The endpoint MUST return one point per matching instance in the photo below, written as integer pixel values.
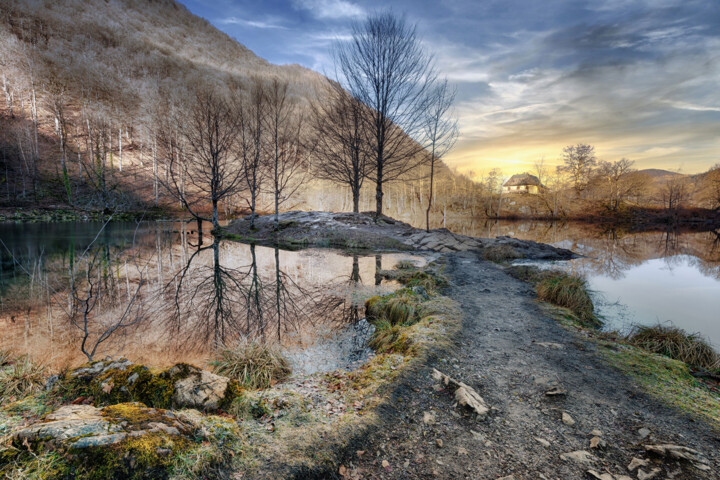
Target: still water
(646, 278)
(157, 294)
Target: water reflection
(163, 294)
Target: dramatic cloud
(636, 78)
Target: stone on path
(465, 395)
(567, 419)
(579, 456)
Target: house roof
(522, 179)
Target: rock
(121, 381)
(67, 422)
(439, 442)
(567, 419)
(509, 477)
(597, 442)
(579, 456)
(644, 432)
(84, 426)
(51, 381)
(428, 418)
(197, 388)
(596, 433)
(637, 462)
(676, 452)
(600, 476)
(465, 395)
(641, 475)
(555, 391)
(542, 442)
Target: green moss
(664, 378)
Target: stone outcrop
(85, 426)
(182, 386)
(361, 230)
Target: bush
(20, 378)
(571, 292)
(675, 343)
(253, 364)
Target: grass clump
(253, 364)
(398, 308)
(19, 378)
(667, 379)
(500, 253)
(571, 292)
(675, 343)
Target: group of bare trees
(233, 142)
(388, 114)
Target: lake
(161, 293)
(167, 293)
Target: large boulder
(119, 381)
(199, 389)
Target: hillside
(84, 79)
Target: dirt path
(512, 354)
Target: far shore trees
(579, 160)
(386, 68)
(253, 110)
(615, 177)
(340, 137)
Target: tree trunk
(430, 196)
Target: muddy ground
(512, 354)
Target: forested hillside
(87, 85)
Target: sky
(635, 78)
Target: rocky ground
(557, 410)
(361, 231)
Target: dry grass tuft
(405, 265)
(675, 343)
(571, 292)
(253, 364)
(500, 253)
(19, 378)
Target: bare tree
(580, 160)
(199, 148)
(675, 192)
(386, 68)
(286, 158)
(340, 140)
(614, 175)
(440, 130)
(253, 111)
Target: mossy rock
(181, 386)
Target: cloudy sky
(636, 78)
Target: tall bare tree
(613, 174)
(579, 160)
(386, 68)
(340, 140)
(286, 157)
(253, 111)
(441, 131)
(200, 154)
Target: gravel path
(512, 355)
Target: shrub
(20, 378)
(675, 343)
(253, 364)
(571, 292)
